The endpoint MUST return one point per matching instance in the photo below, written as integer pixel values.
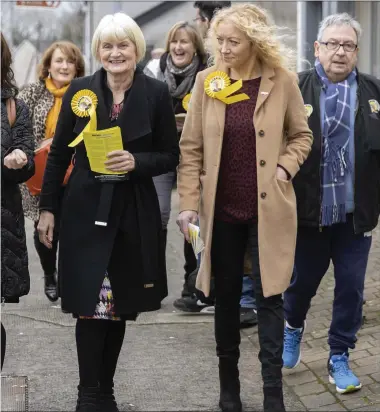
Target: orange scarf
(52, 117)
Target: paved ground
(168, 360)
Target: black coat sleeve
(60, 155)
(165, 156)
(22, 138)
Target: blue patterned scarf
(336, 137)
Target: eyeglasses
(332, 45)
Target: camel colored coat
(282, 138)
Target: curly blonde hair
(256, 23)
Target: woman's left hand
(120, 161)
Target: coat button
(261, 133)
(263, 195)
(263, 162)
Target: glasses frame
(338, 46)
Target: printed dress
(105, 308)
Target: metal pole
(87, 36)
(11, 18)
(301, 34)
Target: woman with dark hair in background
(17, 166)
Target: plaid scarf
(336, 137)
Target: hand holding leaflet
(98, 144)
(196, 241)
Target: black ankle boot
(273, 400)
(107, 402)
(229, 386)
(51, 290)
(87, 399)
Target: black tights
(98, 346)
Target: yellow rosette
(218, 86)
(308, 109)
(186, 101)
(374, 105)
(84, 104)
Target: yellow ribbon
(91, 125)
(227, 91)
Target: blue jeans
(248, 299)
(349, 253)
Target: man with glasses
(338, 194)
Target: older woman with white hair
(245, 137)
(111, 261)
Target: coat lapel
(220, 110)
(97, 85)
(134, 120)
(266, 86)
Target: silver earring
(49, 76)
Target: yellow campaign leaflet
(98, 144)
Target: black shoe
(107, 402)
(193, 305)
(229, 400)
(87, 399)
(273, 400)
(248, 318)
(51, 287)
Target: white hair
(118, 27)
(341, 19)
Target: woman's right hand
(45, 228)
(183, 220)
(15, 160)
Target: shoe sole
(349, 389)
(300, 356)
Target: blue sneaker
(292, 346)
(341, 375)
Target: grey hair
(341, 19)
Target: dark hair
(67, 48)
(7, 76)
(207, 9)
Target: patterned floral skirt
(105, 306)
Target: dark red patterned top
(236, 197)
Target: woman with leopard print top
(61, 62)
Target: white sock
(291, 327)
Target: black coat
(15, 280)
(367, 155)
(129, 247)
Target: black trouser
(190, 259)
(98, 346)
(227, 261)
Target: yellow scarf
(52, 117)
